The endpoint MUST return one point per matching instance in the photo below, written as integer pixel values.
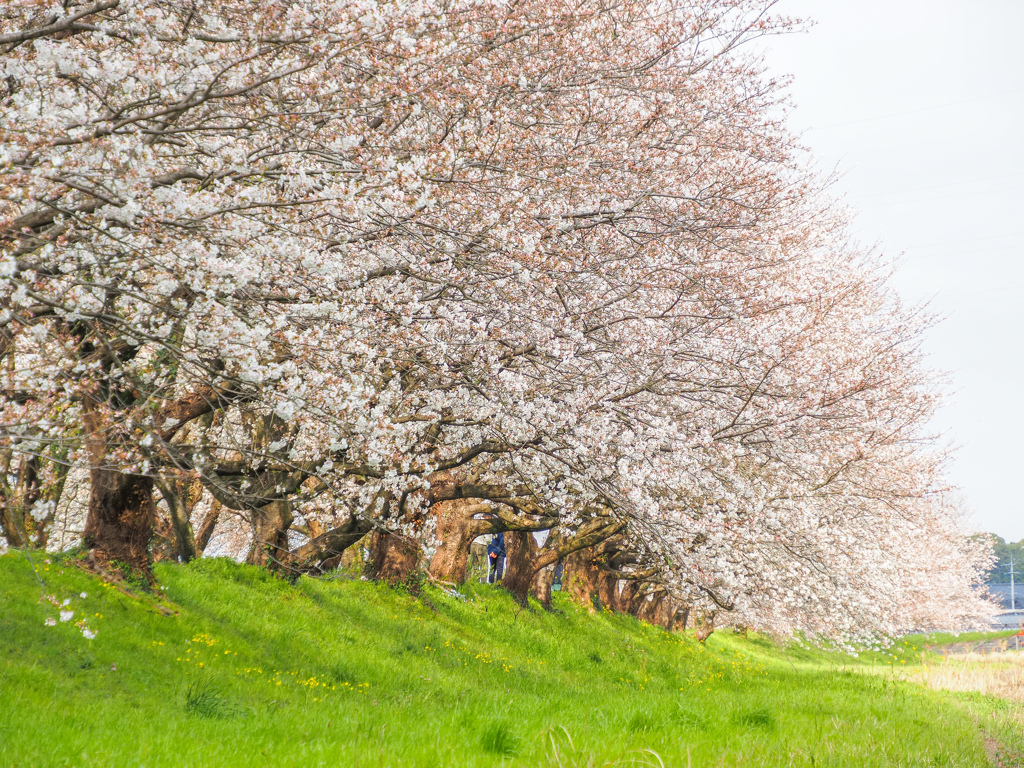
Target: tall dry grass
(999, 674)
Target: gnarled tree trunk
(180, 494)
(626, 596)
(205, 532)
(120, 521)
(541, 586)
(519, 567)
(325, 550)
(121, 514)
(666, 613)
(607, 589)
(270, 534)
(704, 624)
(647, 611)
(581, 575)
(680, 619)
(393, 558)
(456, 530)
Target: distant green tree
(1002, 549)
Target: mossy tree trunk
(580, 577)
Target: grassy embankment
(249, 670)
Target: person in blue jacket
(496, 558)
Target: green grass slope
(249, 670)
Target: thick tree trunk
(680, 619)
(607, 590)
(666, 613)
(541, 586)
(519, 568)
(325, 551)
(205, 532)
(177, 494)
(120, 521)
(121, 515)
(19, 521)
(626, 596)
(392, 558)
(648, 609)
(704, 624)
(455, 531)
(580, 577)
(270, 534)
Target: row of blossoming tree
(422, 271)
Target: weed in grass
(498, 738)
(641, 722)
(560, 748)
(692, 719)
(646, 757)
(343, 672)
(755, 718)
(206, 699)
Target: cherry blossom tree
(435, 270)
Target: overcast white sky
(920, 106)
